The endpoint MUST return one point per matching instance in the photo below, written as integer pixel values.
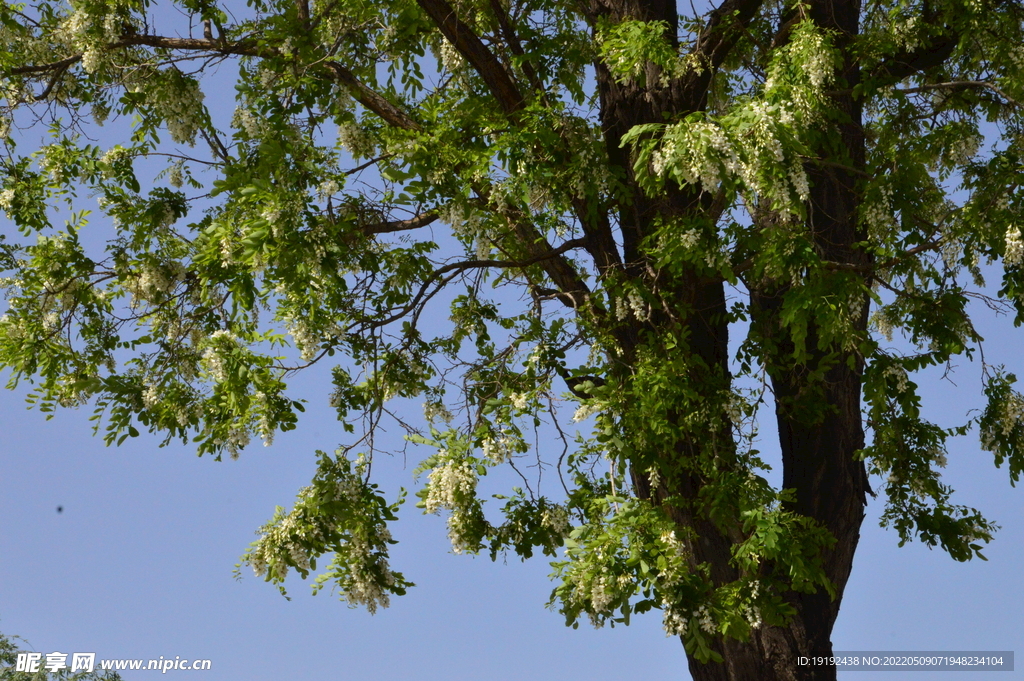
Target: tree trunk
(818, 445)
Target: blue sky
(139, 563)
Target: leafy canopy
(425, 198)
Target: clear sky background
(139, 563)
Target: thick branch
(447, 272)
(372, 100)
(421, 220)
(459, 34)
(960, 85)
(724, 28)
(512, 40)
(43, 68)
(905, 64)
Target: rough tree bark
(818, 445)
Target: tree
(530, 204)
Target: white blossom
(706, 620)
(436, 410)
(899, 374)
(601, 595)
(174, 176)
(673, 621)
(355, 140)
(245, 120)
(584, 412)
(499, 449)
(7, 201)
(327, 188)
(556, 519)
(1014, 248)
(449, 483)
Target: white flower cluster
(752, 613)
(697, 152)
(906, 31)
(964, 148)
(175, 177)
(153, 282)
(674, 622)
(689, 238)
(114, 156)
(556, 519)
(951, 251)
(295, 538)
(7, 201)
(434, 411)
(245, 121)
(450, 58)
(354, 139)
(634, 304)
(362, 587)
(1011, 413)
(327, 189)
(465, 222)
(499, 449)
(449, 484)
(460, 525)
(151, 395)
(52, 163)
(585, 411)
(601, 596)
(90, 34)
(734, 408)
(818, 62)
(180, 105)
(706, 619)
(519, 400)
(798, 177)
(880, 320)
(898, 373)
(213, 360)
(877, 215)
(1014, 248)
(175, 98)
(238, 438)
(306, 338)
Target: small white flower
(355, 140)
(584, 412)
(1014, 248)
(327, 189)
(175, 177)
(7, 200)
